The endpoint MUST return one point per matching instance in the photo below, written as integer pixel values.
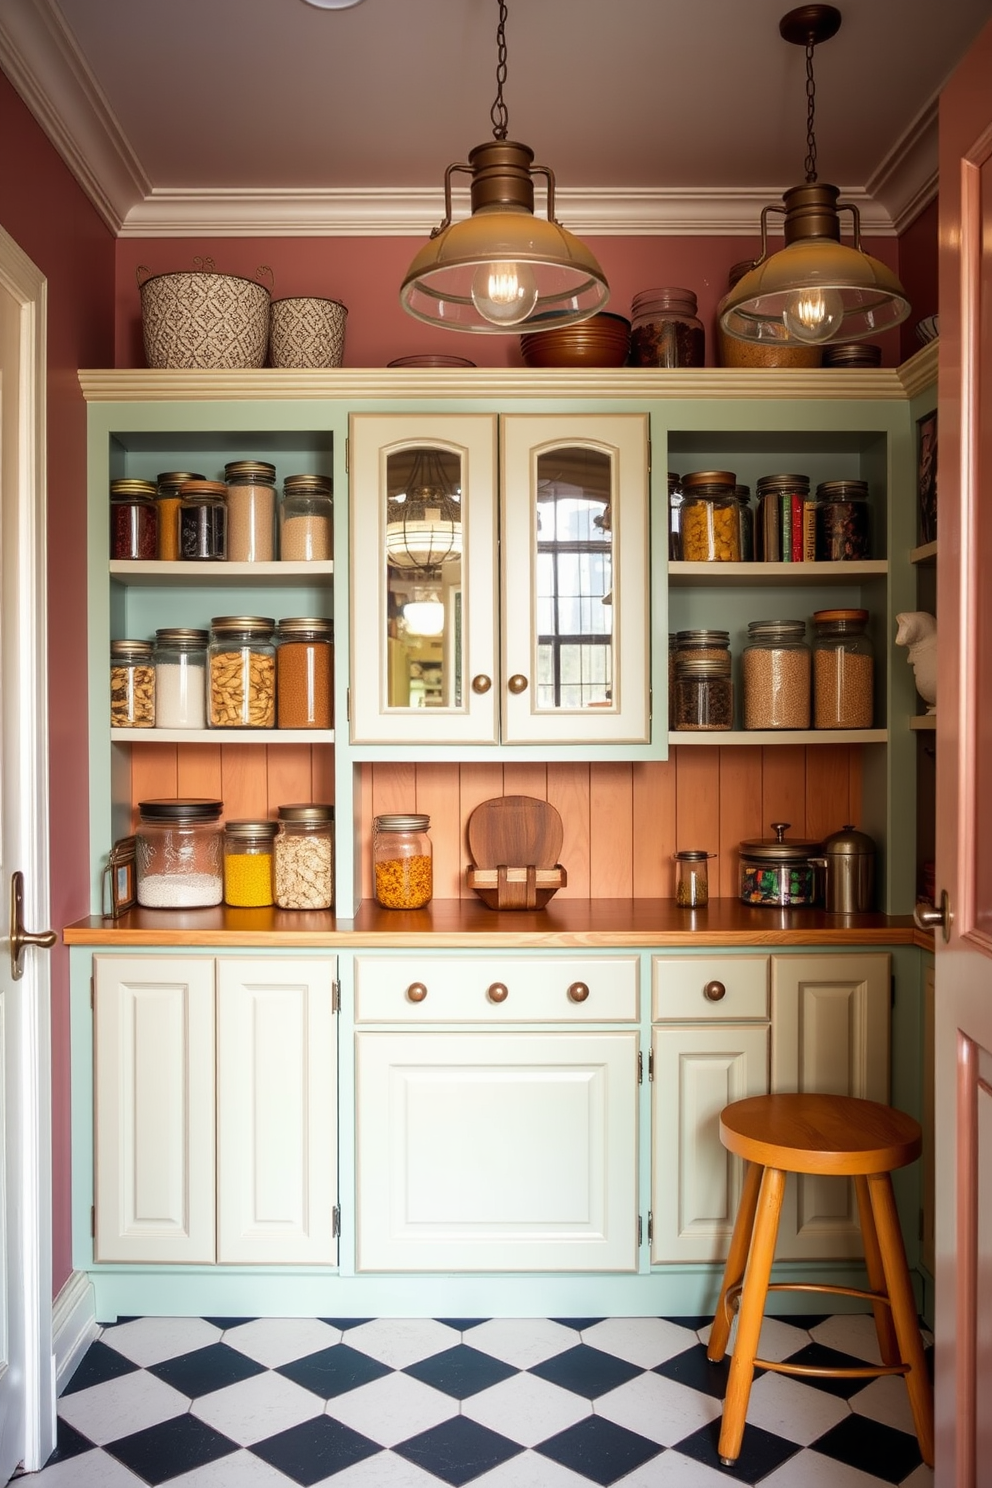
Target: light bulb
(504, 293)
(424, 617)
(814, 315)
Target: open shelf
(925, 553)
(699, 575)
(924, 723)
(155, 572)
(221, 736)
(777, 736)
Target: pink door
(964, 783)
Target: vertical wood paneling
(363, 846)
(244, 787)
(611, 832)
(321, 772)
(154, 774)
(199, 771)
(289, 776)
(437, 795)
(828, 777)
(697, 800)
(783, 788)
(529, 779)
(568, 792)
(478, 783)
(740, 813)
(653, 804)
(855, 781)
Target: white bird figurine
(918, 631)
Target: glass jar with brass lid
(843, 670)
(305, 673)
(251, 511)
(248, 863)
(242, 666)
(711, 523)
(181, 677)
(777, 870)
(132, 685)
(306, 519)
(168, 502)
(402, 861)
(133, 520)
(304, 857)
(203, 521)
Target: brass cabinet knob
(481, 683)
(714, 991)
(498, 992)
(416, 992)
(578, 992)
(517, 683)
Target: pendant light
(815, 289)
(424, 522)
(503, 268)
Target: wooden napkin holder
(516, 888)
(515, 842)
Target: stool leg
(750, 1314)
(884, 1329)
(733, 1272)
(904, 1317)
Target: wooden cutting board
(518, 831)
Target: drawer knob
(578, 992)
(517, 683)
(714, 991)
(498, 992)
(481, 683)
(416, 992)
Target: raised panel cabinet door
(830, 1035)
(695, 1181)
(276, 1111)
(497, 1151)
(154, 1118)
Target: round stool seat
(831, 1134)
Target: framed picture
(926, 474)
(119, 877)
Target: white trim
(74, 1326)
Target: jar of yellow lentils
(403, 860)
(248, 863)
(711, 519)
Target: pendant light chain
(810, 112)
(498, 112)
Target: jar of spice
(711, 529)
(248, 859)
(242, 683)
(133, 522)
(178, 853)
(843, 670)
(692, 889)
(305, 674)
(784, 531)
(842, 521)
(168, 501)
(251, 511)
(203, 521)
(304, 857)
(132, 685)
(180, 657)
(776, 871)
(403, 861)
(306, 519)
(665, 330)
(704, 694)
(775, 668)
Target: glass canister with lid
(242, 681)
(133, 520)
(304, 857)
(665, 330)
(203, 521)
(842, 528)
(784, 531)
(168, 502)
(305, 673)
(132, 685)
(692, 889)
(306, 519)
(251, 511)
(778, 871)
(843, 670)
(248, 863)
(704, 694)
(403, 861)
(181, 677)
(178, 853)
(711, 525)
(775, 668)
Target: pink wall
(918, 272)
(43, 209)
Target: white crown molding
(906, 180)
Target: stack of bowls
(601, 341)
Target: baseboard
(74, 1326)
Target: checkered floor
(411, 1403)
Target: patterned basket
(306, 332)
(204, 319)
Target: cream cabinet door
(276, 1111)
(497, 1151)
(831, 1018)
(154, 1118)
(695, 1182)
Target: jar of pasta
(403, 860)
(248, 860)
(304, 857)
(711, 521)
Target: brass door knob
(498, 992)
(517, 683)
(714, 991)
(18, 936)
(481, 683)
(578, 992)
(416, 992)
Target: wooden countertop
(468, 924)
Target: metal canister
(848, 861)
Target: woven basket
(204, 319)
(306, 332)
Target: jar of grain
(248, 860)
(178, 853)
(403, 861)
(842, 521)
(305, 674)
(304, 857)
(180, 657)
(306, 519)
(665, 330)
(251, 511)
(132, 685)
(168, 501)
(674, 516)
(843, 670)
(242, 663)
(785, 531)
(775, 669)
(133, 522)
(711, 530)
(704, 695)
(710, 645)
(203, 521)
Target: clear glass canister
(304, 857)
(707, 645)
(203, 521)
(178, 853)
(784, 529)
(665, 330)
(674, 516)
(133, 520)
(743, 494)
(775, 671)
(305, 673)
(692, 889)
(843, 670)
(842, 533)
(132, 685)
(306, 519)
(774, 870)
(403, 861)
(251, 511)
(711, 525)
(704, 695)
(168, 501)
(180, 657)
(248, 860)
(242, 684)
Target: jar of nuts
(242, 667)
(403, 861)
(711, 521)
(132, 685)
(843, 670)
(304, 857)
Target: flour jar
(181, 678)
(178, 853)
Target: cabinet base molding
(74, 1325)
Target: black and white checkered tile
(417, 1403)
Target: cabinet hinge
(92, 994)
(347, 456)
(649, 457)
(640, 1068)
(347, 705)
(336, 1222)
(651, 1065)
(650, 1226)
(640, 1230)
(335, 996)
(93, 1221)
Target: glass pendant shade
(424, 520)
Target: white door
(27, 1406)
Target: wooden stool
(831, 1134)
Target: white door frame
(30, 1183)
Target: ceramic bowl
(927, 329)
(601, 341)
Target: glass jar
(704, 694)
(305, 674)
(403, 861)
(181, 678)
(843, 670)
(251, 511)
(203, 521)
(132, 685)
(306, 519)
(133, 522)
(711, 528)
(242, 683)
(842, 521)
(785, 530)
(178, 853)
(774, 871)
(692, 889)
(248, 860)
(304, 857)
(168, 501)
(665, 330)
(705, 645)
(674, 517)
(775, 671)
(743, 494)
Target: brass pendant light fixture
(815, 289)
(503, 269)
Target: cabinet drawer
(678, 986)
(469, 989)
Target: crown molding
(906, 180)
